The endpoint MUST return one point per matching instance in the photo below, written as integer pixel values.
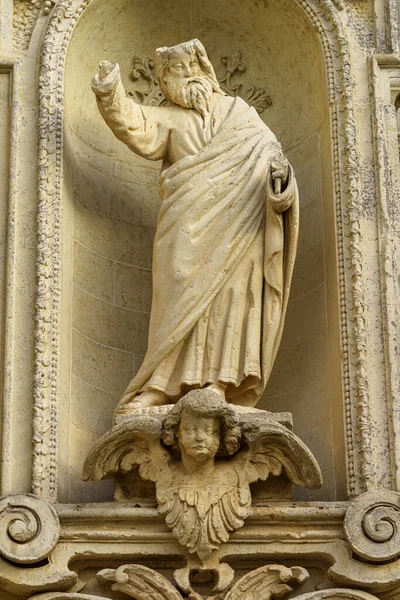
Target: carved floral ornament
(147, 90)
(265, 583)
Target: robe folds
(222, 265)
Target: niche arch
(82, 320)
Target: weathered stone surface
(202, 492)
(223, 255)
(78, 215)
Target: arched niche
(110, 205)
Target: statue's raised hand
(105, 67)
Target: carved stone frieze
(148, 92)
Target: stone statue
(223, 251)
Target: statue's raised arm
(142, 131)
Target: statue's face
(185, 83)
(183, 66)
(199, 436)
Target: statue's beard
(195, 93)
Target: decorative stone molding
(29, 529)
(143, 72)
(372, 526)
(25, 15)
(275, 532)
(29, 533)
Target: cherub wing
(273, 448)
(134, 442)
(140, 583)
(266, 582)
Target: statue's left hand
(280, 169)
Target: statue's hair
(193, 48)
(198, 404)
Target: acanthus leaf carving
(267, 582)
(254, 96)
(143, 583)
(139, 582)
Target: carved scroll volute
(29, 528)
(372, 526)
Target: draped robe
(224, 247)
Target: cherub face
(199, 437)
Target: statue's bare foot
(219, 388)
(144, 400)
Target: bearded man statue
(226, 236)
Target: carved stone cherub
(202, 460)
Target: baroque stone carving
(269, 582)
(223, 253)
(29, 528)
(25, 14)
(29, 533)
(147, 90)
(143, 583)
(372, 525)
(203, 499)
